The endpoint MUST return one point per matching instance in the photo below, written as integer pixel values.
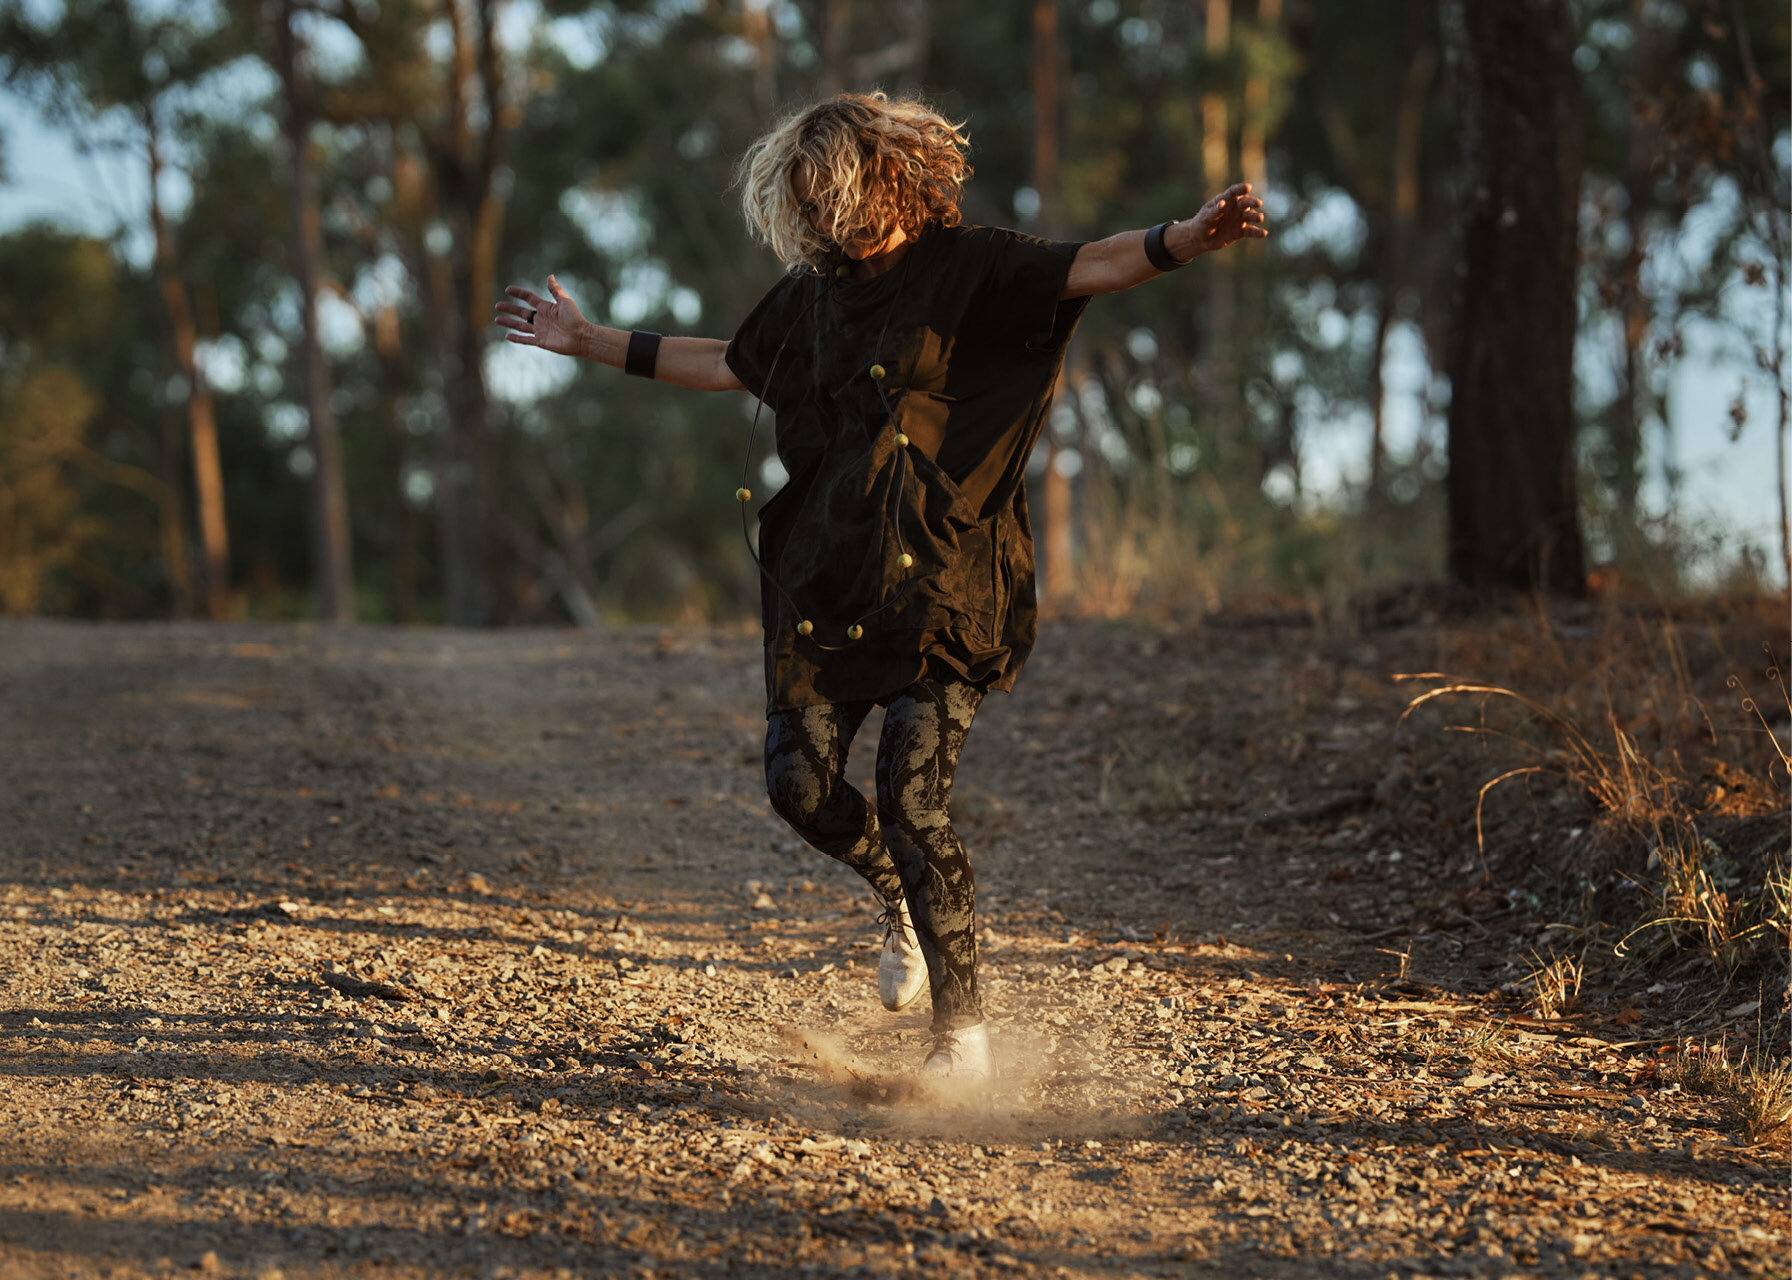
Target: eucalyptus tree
(332, 552)
(1685, 215)
(443, 114)
(90, 67)
(62, 301)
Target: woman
(910, 361)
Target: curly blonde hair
(877, 163)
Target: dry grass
(1644, 721)
(1555, 984)
(1489, 1042)
(1753, 1093)
(1695, 903)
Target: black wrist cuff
(643, 353)
(1157, 251)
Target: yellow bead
(743, 495)
(804, 627)
(901, 441)
(843, 271)
(877, 371)
(854, 631)
(905, 560)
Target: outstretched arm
(554, 324)
(1119, 262)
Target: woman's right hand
(552, 323)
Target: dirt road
(419, 953)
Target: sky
(1727, 489)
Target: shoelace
(945, 1043)
(891, 919)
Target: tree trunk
(1624, 419)
(1216, 27)
(464, 164)
(1254, 126)
(1054, 540)
(331, 564)
(1513, 514)
(202, 422)
(172, 513)
(1216, 174)
(401, 551)
(919, 14)
(1401, 229)
(756, 26)
(461, 473)
(836, 24)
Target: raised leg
(805, 776)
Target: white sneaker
(901, 970)
(961, 1055)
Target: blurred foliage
(1208, 451)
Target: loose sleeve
(1021, 286)
(753, 354)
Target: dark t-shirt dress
(968, 332)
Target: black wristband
(1157, 251)
(643, 353)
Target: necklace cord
(902, 465)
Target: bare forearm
(1119, 262)
(697, 363)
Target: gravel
(416, 953)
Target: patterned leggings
(907, 847)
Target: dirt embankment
(421, 953)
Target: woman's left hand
(1233, 215)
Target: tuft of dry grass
(1489, 1042)
(1754, 1094)
(1695, 902)
(1555, 984)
